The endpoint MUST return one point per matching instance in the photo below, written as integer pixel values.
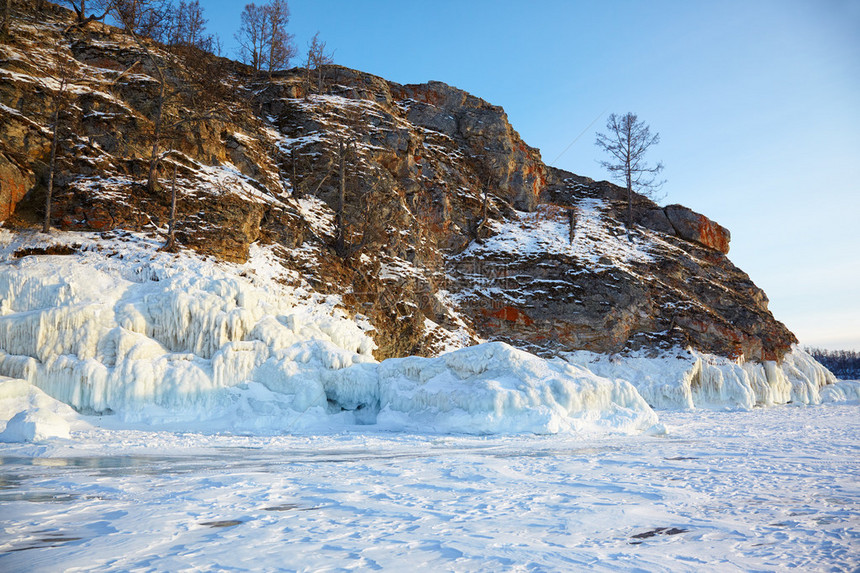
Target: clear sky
(757, 103)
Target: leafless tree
(252, 36)
(195, 29)
(627, 140)
(154, 159)
(345, 152)
(163, 131)
(100, 9)
(571, 224)
(478, 227)
(187, 26)
(60, 79)
(216, 45)
(281, 48)
(176, 24)
(317, 58)
(264, 43)
(294, 180)
(171, 223)
(130, 13)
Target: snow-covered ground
(767, 489)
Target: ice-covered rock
(104, 333)
(30, 415)
(694, 380)
(489, 388)
(842, 391)
(173, 340)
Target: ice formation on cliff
(173, 340)
(693, 380)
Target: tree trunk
(171, 225)
(571, 224)
(272, 47)
(340, 218)
(629, 200)
(340, 241)
(46, 226)
(297, 193)
(484, 203)
(152, 179)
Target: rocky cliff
(419, 205)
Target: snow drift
(32, 415)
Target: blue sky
(757, 103)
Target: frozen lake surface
(768, 489)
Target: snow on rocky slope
(180, 342)
(157, 338)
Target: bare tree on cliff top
(317, 58)
(281, 48)
(252, 36)
(627, 141)
(187, 26)
(264, 43)
(80, 8)
(149, 18)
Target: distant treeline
(845, 364)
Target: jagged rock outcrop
(447, 226)
(675, 220)
(692, 226)
(513, 169)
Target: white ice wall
(694, 380)
(123, 331)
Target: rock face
(674, 220)
(418, 205)
(692, 226)
(532, 284)
(513, 169)
(15, 182)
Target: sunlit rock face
(513, 169)
(693, 226)
(451, 229)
